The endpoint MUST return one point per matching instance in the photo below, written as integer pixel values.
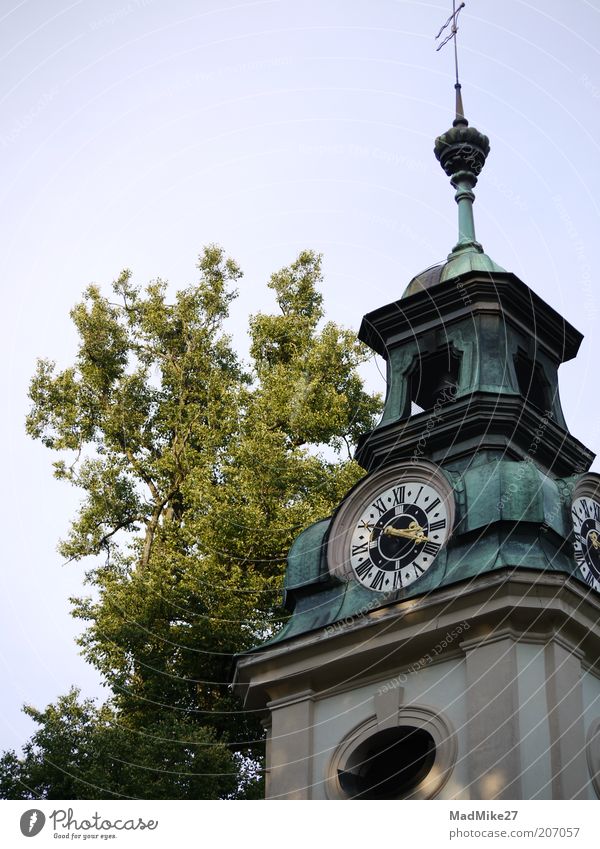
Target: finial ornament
(461, 151)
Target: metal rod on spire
(456, 45)
(452, 22)
(461, 152)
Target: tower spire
(461, 151)
(460, 119)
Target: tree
(81, 751)
(197, 472)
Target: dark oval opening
(389, 764)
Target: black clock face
(398, 536)
(586, 529)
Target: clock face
(398, 534)
(586, 529)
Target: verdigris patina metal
(479, 351)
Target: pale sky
(133, 132)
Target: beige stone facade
(498, 681)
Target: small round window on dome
(389, 764)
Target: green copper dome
(457, 265)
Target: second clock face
(586, 527)
(398, 535)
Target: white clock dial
(398, 535)
(391, 527)
(585, 513)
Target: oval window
(389, 764)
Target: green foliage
(197, 472)
(81, 751)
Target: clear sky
(132, 132)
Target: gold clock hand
(594, 539)
(414, 532)
(413, 528)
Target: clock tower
(444, 638)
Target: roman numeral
(418, 570)
(398, 580)
(586, 509)
(398, 493)
(432, 506)
(579, 557)
(377, 582)
(431, 548)
(380, 506)
(589, 579)
(360, 549)
(596, 511)
(437, 526)
(364, 568)
(576, 519)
